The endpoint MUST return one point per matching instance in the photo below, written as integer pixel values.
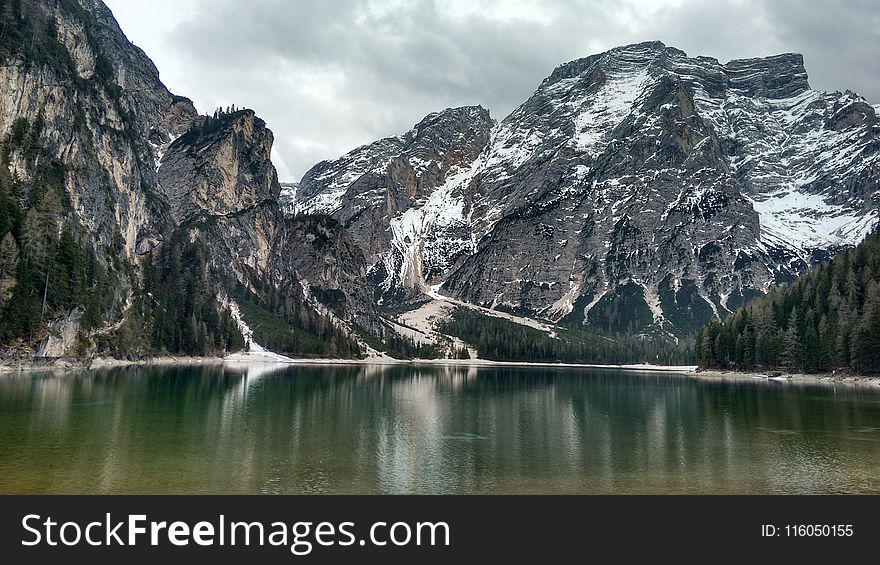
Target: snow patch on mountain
(598, 114)
(652, 299)
(443, 211)
(807, 221)
(565, 305)
(287, 198)
(247, 333)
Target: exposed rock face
(104, 115)
(63, 339)
(636, 188)
(237, 173)
(329, 265)
(139, 163)
(222, 187)
(96, 108)
(393, 196)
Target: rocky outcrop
(221, 166)
(63, 339)
(638, 189)
(222, 188)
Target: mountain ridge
(637, 192)
(582, 146)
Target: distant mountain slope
(402, 197)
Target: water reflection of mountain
(444, 429)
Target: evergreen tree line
(283, 322)
(502, 340)
(182, 290)
(215, 122)
(828, 319)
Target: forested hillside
(502, 340)
(828, 319)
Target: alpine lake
(424, 429)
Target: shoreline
(245, 359)
(794, 378)
(66, 364)
(267, 358)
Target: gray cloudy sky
(329, 75)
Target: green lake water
(402, 429)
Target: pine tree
(8, 267)
(8, 257)
(866, 339)
(792, 343)
(40, 230)
(8, 206)
(750, 345)
(826, 343)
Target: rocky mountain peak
(456, 135)
(624, 58)
(476, 115)
(775, 77)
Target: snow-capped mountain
(636, 188)
(403, 197)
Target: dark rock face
(636, 180)
(778, 77)
(329, 265)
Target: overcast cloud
(329, 75)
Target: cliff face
(85, 118)
(102, 113)
(219, 167)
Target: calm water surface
(366, 429)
